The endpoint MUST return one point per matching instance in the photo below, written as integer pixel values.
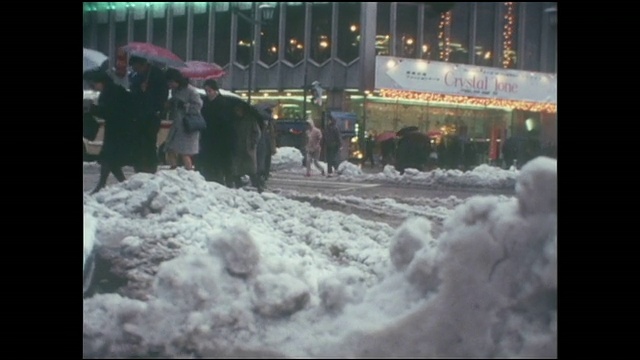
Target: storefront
(478, 105)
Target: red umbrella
(202, 70)
(386, 136)
(154, 53)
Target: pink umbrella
(202, 70)
(154, 53)
(386, 136)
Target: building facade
(336, 44)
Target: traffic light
(316, 92)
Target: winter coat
(217, 140)
(332, 137)
(149, 103)
(266, 146)
(246, 134)
(314, 138)
(115, 108)
(185, 100)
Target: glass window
(140, 30)
(532, 36)
(269, 39)
(121, 35)
(294, 33)
(431, 46)
(550, 34)
(407, 23)
(244, 35)
(103, 38)
(179, 46)
(382, 29)
(509, 34)
(348, 31)
(200, 36)
(160, 32)
(86, 35)
(222, 44)
(459, 43)
(321, 32)
(485, 33)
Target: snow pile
(348, 169)
(490, 283)
(286, 158)
(215, 272)
(89, 236)
(483, 176)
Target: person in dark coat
(388, 151)
(217, 140)
(510, 152)
(150, 93)
(266, 145)
(247, 130)
(412, 151)
(369, 147)
(114, 106)
(333, 141)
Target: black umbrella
(405, 130)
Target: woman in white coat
(184, 100)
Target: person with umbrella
(114, 106)
(149, 90)
(413, 149)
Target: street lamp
(266, 14)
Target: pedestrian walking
(150, 93)
(115, 108)
(333, 140)
(314, 138)
(181, 143)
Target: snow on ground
(217, 272)
(483, 176)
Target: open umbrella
(92, 59)
(385, 136)
(202, 70)
(405, 130)
(154, 53)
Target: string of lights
(443, 35)
(466, 100)
(507, 34)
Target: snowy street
(345, 196)
(411, 265)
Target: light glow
(472, 101)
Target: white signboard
(464, 80)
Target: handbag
(194, 122)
